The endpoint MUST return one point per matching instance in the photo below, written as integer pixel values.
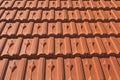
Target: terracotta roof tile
(69, 4)
(60, 39)
(62, 15)
(58, 28)
(60, 68)
(60, 46)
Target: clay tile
(93, 46)
(109, 46)
(31, 4)
(87, 28)
(73, 28)
(46, 15)
(10, 29)
(37, 29)
(8, 15)
(84, 15)
(41, 4)
(43, 46)
(87, 4)
(95, 29)
(25, 48)
(35, 15)
(11, 45)
(76, 46)
(97, 15)
(59, 46)
(69, 68)
(19, 4)
(66, 29)
(8, 47)
(16, 69)
(52, 28)
(52, 4)
(72, 15)
(25, 29)
(58, 15)
(64, 4)
(22, 15)
(75, 4)
(81, 29)
(7, 4)
(109, 28)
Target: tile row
(60, 4)
(45, 15)
(59, 46)
(60, 68)
(45, 29)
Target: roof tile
(19, 4)
(22, 15)
(60, 68)
(60, 46)
(71, 28)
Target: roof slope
(59, 39)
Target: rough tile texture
(60, 39)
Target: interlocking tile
(19, 4)
(59, 28)
(60, 4)
(60, 68)
(8, 15)
(59, 46)
(60, 15)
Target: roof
(59, 39)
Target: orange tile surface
(60, 39)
